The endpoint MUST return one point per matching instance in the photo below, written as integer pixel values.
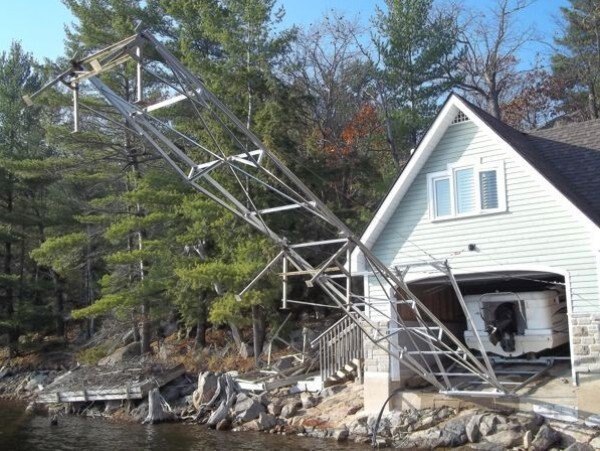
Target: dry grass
(218, 355)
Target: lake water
(21, 431)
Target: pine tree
(577, 63)
(23, 208)
(234, 47)
(100, 23)
(417, 46)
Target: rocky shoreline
(335, 413)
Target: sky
(39, 24)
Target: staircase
(340, 351)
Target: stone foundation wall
(377, 360)
(586, 342)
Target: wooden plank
(51, 399)
(250, 385)
(272, 385)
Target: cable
(374, 438)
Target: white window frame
(477, 169)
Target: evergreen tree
(417, 47)
(23, 206)
(100, 23)
(234, 47)
(577, 64)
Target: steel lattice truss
(258, 189)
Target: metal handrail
(314, 342)
(339, 345)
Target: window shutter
(442, 197)
(465, 190)
(488, 182)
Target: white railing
(339, 346)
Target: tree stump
(156, 411)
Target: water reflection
(19, 431)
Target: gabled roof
(567, 157)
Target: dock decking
(107, 384)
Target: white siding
(536, 229)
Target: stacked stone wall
(586, 342)
(377, 360)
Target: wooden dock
(86, 384)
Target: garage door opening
(517, 313)
(520, 316)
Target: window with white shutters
(466, 190)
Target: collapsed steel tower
(442, 358)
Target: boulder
(170, 393)
(454, 431)
(122, 354)
(593, 421)
(448, 435)
(506, 439)
(263, 398)
(340, 435)
(580, 447)
(472, 429)
(289, 410)
(428, 439)
(307, 400)
(531, 422)
(489, 423)
(274, 408)
(330, 391)
(544, 439)
(570, 434)
(223, 425)
(483, 446)
(140, 412)
(595, 443)
(247, 409)
(4, 372)
(37, 382)
(353, 409)
(266, 421)
(207, 387)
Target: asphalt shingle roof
(568, 156)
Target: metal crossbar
(227, 163)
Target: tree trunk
(135, 328)
(59, 303)
(236, 335)
(201, 324)
(258, 332)
(593, 104)
(89, 284)
(13, 333)
(145, 332)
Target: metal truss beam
(227, 163)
